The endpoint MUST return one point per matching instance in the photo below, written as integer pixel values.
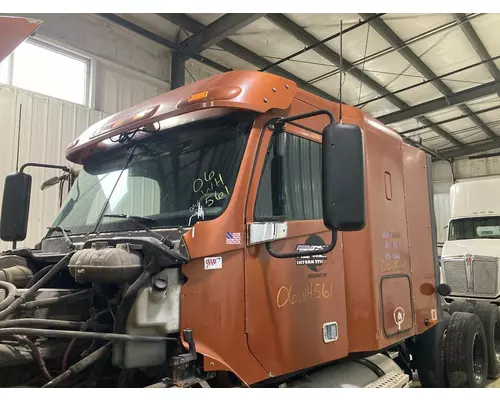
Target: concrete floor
(494, 383)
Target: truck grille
(456, 275)
(479, 276)
(485, 276)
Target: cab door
(295, 307)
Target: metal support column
(177, 71)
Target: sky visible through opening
(44, 71)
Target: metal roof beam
(464, 96)
(177, 71)
(394, 40)
(324, 51)
(165, 42)
(477, 44)
(218, 30)
(194, 26)
(486, 145)
(445, 121)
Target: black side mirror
(15, 207)
(343, 178)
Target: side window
(290, 186)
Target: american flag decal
(233, 238)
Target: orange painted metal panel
(14, 31)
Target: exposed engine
(105, 315)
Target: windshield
(172, 179)
(475, 228)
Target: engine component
(32, 305)
(14, 269)
(50, 323)
(81, 335)
(50, 304)
(13, 354)
(10, 294)
(79, 366)
(12, 308)
(116, 265)
(35, 353)
(10, 260)
(123, 312)
(18, 275)
(156, 312)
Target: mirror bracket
(295, 254)
(279, 124)
(61, 167)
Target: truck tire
(489, 314)
(429, 355)
(466, 354)
(461, 306)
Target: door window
(290, 186)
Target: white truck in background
(471, 253)
(470, 262)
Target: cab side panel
(377, 261)
(420, 236)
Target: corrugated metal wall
(117, 90)
(47, 126)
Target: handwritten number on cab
(206, 186)
(287, 294)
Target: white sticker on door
(213, 262)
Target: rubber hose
(29, 305)
(38, 275)
(35, 353)
(82, 335)
(125, 306)
(84, 327)
(12, 308)
(79, 366)
(10, 294)
(52, 323)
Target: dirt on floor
(492, 383)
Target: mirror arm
(61, 167)
(295, 254)
(278, 125)
(308, 115)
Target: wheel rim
(496, 344)
(478, 357)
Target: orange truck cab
(250, 234)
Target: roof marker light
(198, 96)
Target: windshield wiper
(137, 219)
(65, 232)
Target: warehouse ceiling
(433, 78)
